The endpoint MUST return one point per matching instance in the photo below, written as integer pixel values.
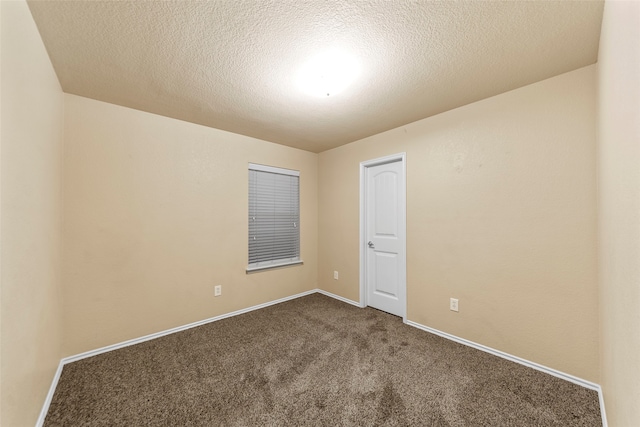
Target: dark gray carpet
(313, 361)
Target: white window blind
(274, 217)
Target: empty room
(320, 213)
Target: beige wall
(500, 214)
(31, 195)
(619, 210)
(156, 215)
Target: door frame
(402, 200)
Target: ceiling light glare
(328, 74)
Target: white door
(385, 237)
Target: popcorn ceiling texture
(231, 65)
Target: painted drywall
(619, 209)
(500, 214)
(31, 222)
(156, 215)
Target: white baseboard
(533, 365)
(181, 328)
(567, 377)
(602, 411)
(339, 298)
(47, 400)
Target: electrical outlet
(453, 304)
(335, 275)
(217, 291)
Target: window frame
(278, 262)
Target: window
(274, 217)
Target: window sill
(270, 266)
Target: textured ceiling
(232, 64)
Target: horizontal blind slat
(274, 214)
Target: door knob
(370, 244)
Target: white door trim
(402, 157)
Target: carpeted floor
(313, 361)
